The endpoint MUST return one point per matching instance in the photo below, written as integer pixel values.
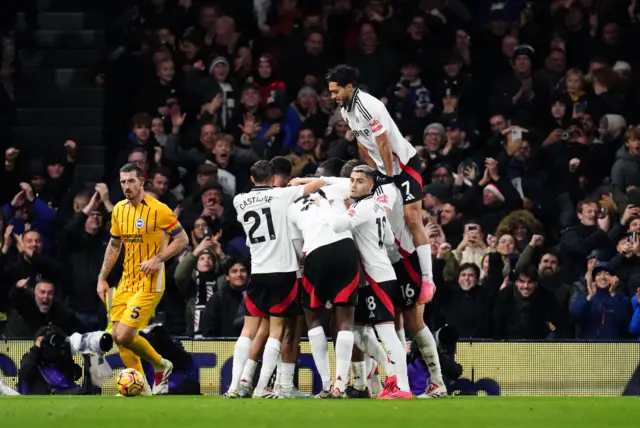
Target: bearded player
(385, 149)
(146, 226)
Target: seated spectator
(304, 159)
(196, 277)
(223, 316)
(524, 310)
(30, 261)
(34, 307)
(603, 313)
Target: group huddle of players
(366, 221)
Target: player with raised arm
(146, 226)
(273, 289)
(384, 148)
(283, 385)
(409, 311)
(331, 274)
(371, 231)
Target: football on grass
(130, 382)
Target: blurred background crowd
(524, 113)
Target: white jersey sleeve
(262, 212)
(389, 197)
(368, 119)
(372, 233)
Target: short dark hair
(262, 171)
(143, 119)
(163, 171)
(530, 272)
(132, 167)
(344, 75)
(474, 267)
(282, 166)
(330, 167)
(348, 167)
(232, 261)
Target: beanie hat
(492, 188)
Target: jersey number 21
(257, 220)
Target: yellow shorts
(134, 309)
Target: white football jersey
(368, 118)
(389, 196)
(263, 215)
(371, 232)
(305, 222)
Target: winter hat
(526, 50)
(266, 58)
(492, 188)
(603, 266)
(437, 127)
(216, 61)
(621, 66)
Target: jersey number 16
(257, 220)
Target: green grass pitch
(214, 412)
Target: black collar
(352, 102)
(261, 188)
(356, 200)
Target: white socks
(344, 347)
(248, 372)
(320, 352)
(396, 352)
(240, 357)
(403, 338)
(360, 375)
(366, 340)
(286, 377)
(270, 359)
(424, 256)
(429, 351)
(278, 380)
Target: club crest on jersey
(139, 223)
(375, 126)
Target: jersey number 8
(371, 303)
(257, 220)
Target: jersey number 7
(257, 220)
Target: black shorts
(272, 294)
(331, 274)
(409, 181)
(409, 279)
(375, 304)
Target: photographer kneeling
(48, 368)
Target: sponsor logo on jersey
(351, 212)
(382, 199)
(362, 133)
(375, 126)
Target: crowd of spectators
(524, 116)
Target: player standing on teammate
(383, 147)
(146, 226)
(331, 274)
(273, 289)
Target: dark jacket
(517, 317)
(222, 312)
(31, 376)
(604, 317)
(83, 256)
(26, 319)
(575, 245)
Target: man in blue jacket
(602, 313)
